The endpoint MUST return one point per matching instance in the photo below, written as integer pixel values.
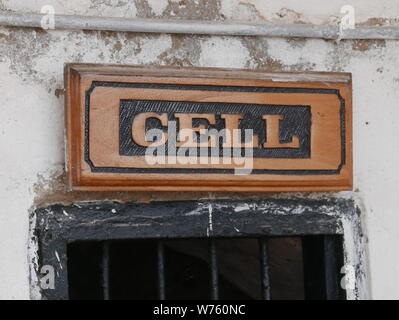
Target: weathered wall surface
(32, 108)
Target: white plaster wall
(31, 114)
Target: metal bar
(313, 257)
(214, 271)
(264, 262)
(225, 28)
(330, 268)
(105, 270)
(161, 270)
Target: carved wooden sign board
(160, 128)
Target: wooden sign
(161, 128)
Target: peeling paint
(210, 224)
(364, 45)
(241, 208)
(33, 259)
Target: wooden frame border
(56, 226)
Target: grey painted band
(223, 28)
